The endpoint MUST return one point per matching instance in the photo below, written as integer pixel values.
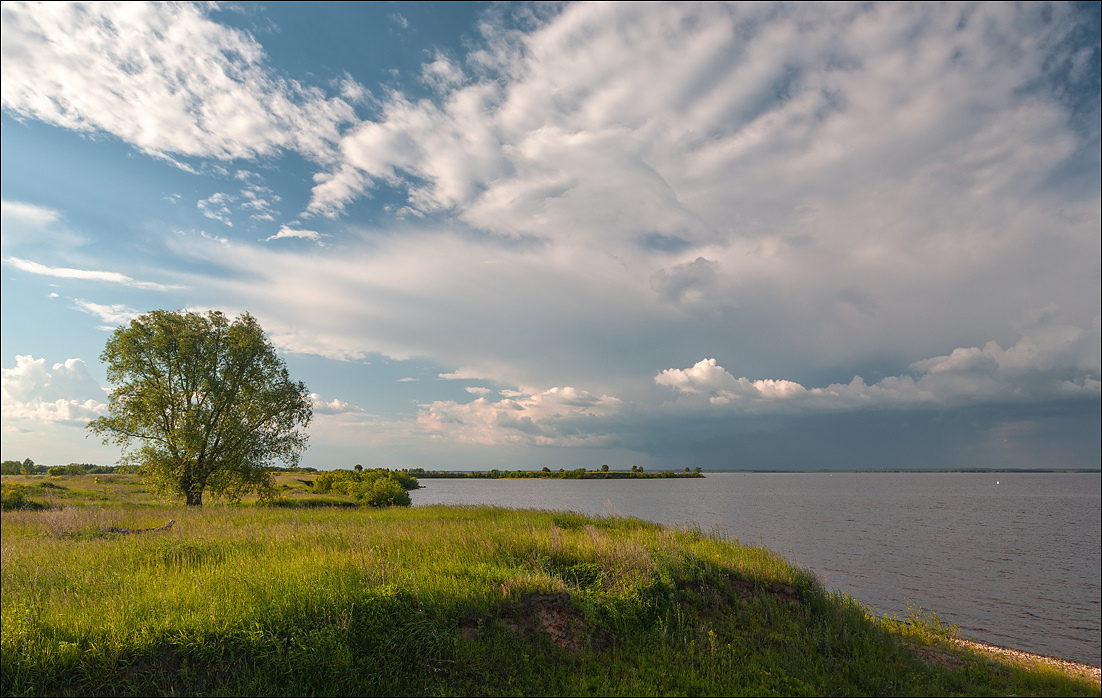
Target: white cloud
(163, 77)
(115, 314)
(870, 181)
(352, 91)
(207, 236)
(216, 207)
(442, 73)
(331, 345)
(24, 223)
(478, 390)
(260, 201)
(641, 115)
(88, 274)
(556, 417)
(63, 394)
(334, 406)
(462, 374)
(790, 189)
(407, 379)
(1052, 363)
(30, 214)
(286, 232)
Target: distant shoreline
(547, 474)
(819, 471)
(654, 474)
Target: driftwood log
(117, 529)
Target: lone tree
(201, 403)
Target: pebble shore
(1085, 670)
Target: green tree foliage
(71, 469)
(202, 404)
(375, 487)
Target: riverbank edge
(1024, 658)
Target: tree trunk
(192, 489)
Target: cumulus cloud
(88, 274)
(709, 378)
(334, 406)
(700, 124)
(555, 417)
(791, 188)
(1052, 363)
(768, 171)
(64, 393)
(686, 282)
(163, 77)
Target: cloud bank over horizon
(581, 222)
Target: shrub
(14, 496)
(375, 487)
(382, 492)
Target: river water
(1014, 558)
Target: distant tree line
(604, 473)
(29, 467)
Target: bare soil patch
(550, 614)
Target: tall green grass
(439, 600)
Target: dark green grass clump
(444, 601)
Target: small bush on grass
(375, 488)
(14, 496)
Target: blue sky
(764, 236)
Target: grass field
(319, 596)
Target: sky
(764, 236)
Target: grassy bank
(294, 600)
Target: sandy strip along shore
(1085, 670)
